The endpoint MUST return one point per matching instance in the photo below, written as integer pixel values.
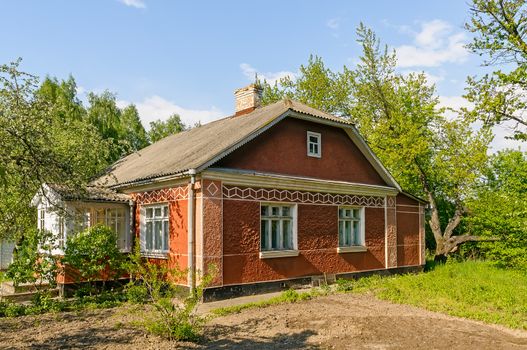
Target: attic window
(314, 144)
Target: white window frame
(361, 247)
(318, 144)
(279, 253)
(61, 231)
(157, 253)
(42, 219)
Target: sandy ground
(332, 322)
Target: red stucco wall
(178, 222)
(283, 149)
(408, 231)
(317, 242)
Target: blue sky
(189, 56)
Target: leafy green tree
(94, 255)
(400, 118)
(104, 114)
(160, 129)
(34, 262)
(63, 96)
(132, 130)
(501, 209)
(499, 28)
(38, 146)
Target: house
(271, 196)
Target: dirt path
(333, 322)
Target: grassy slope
(471, 289)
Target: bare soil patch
(334, 322)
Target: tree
(39, 146)
(499, 28)
(501, 210)
(104, 114)
(132, 130)
(400, 118)
(160, 129)
(63, 96)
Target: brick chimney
(247, 99)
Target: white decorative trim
(263, 194)
(353, 249)
(278, 254)
(161, 195)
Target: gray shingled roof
(194, 148)
(90, 193)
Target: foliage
(34, 262)
(175, 315)
(39, 145)
(93, 254)
(44, 303)
(499, 28)
(501, 210)
(470, 289)
(288, 296)
(400, 118)
(160, 129)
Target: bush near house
(93, 254)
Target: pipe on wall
(191, 232)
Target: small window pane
(356, 231)
(275, 227)
(157, 235)
(148, 236)
(347, 233)
(265, 210)
(265, 235)
(148, 212)
(288, 234)
(286, 211)
(157, 212)
(165, 211)
(276, 211)
(165, 235)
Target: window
(154, 231)
(115, 219)
(277, 227)
(351, 228)
(81, 221)
(42, 219)
(314, 146)
(61, 236)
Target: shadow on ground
(232, 337)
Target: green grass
(471, 289)
(289, 296)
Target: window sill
(278, 254)
(154, 255)
(354, 249)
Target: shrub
(136, 293)
(173, 319)
(94, 254)
(33, 261)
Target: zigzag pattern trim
(162, 195)
(263, 194)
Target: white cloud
(156, 107)
(271, 77)
(134, 3)
(333, 23)
(435, 44)
(501, 132)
